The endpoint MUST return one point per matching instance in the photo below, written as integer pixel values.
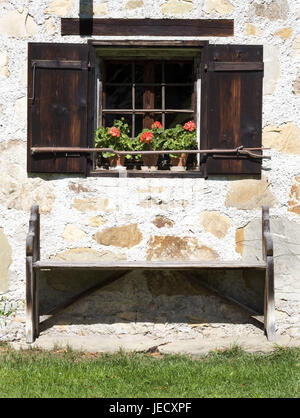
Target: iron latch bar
(239, 151)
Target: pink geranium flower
(156, 125)
(189, 126)
(146, 136)
(114, 132)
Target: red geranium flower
(156, 125)
(146, 136)
(114, 132)
(189, 126)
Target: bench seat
(150, 265)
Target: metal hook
(33, 82)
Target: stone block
(100, 9)
(78, 188)
(5, 261)
(285, 138)
(169, 247)
(96, 221)
(73, 233)
(284, 33)
(239, 240)
(18, 24)
(126, 236)
(296, 47)
(154, 203)
(87, 255)
(286, 237)
(134, 4)
(252, 30)
(294, 200)
(17, 191)
(271, 69)
(92, 204)
(176, 7)
(223, 7)
(250, 194)
(162, 222)
(275, 10)
(50, 26)
(60, 7)
(296, 85)
(215, 223)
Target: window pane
(179, 72)
(179, 97)
(138, 124)
(118, 97)
(139, 72)
(140, 120)
(108, 120)
(173, 119)
(158, 73)
(147, 92)
(118, 73)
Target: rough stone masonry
(151, 219)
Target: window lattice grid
(145, 91)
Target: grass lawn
(66, 373)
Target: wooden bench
(119, 268)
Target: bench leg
(32, 316)
(269, 314)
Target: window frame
(181, 49)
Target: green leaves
(179, 139)
(103, 139)
(176, 138)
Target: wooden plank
(269, 323)
(267, 248)
(236, 66)
(32, 256)
(30, 317)
(148, 265)
(64, 64)
(153, 43)
(147, 27)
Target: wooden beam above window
(147, 27)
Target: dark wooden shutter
(58, 85)
(231, 105)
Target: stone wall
(154, 219)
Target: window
(73, 88)
(155, 86)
